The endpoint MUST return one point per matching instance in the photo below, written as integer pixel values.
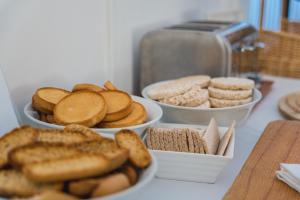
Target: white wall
(62, 42)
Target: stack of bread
(289, 105)
(189, 139)
(68, 164)
(188, 91)
(88, 105)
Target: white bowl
(194, 167)
(154, 113)
(190, 115)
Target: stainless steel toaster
(199, 47)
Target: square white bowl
(194, 167)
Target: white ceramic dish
(190, 115)
(192, 166)
(153, 110)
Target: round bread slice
(232, 83)
(220, 103)
(229, 94)
(118, 105)
(291, 101)
(46, 98)
(137, 116)
(87, 86)
(83, 107)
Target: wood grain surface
(280, 143)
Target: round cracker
(232, 83)
(291, 101)
(286, 110)
(220, 103)
(229, 94)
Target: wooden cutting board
(279, 143)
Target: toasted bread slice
(60, 136)
(108, 147)
(53, 195)
(137, 116)
(39, 152)
(118, 104)
(16, 138)
(109, 86)
(83, 187)
(84, 130)
(46, 98)
(138, 153)
(87, 86)
(80, 166)
(111, 184)
(83, 107)
(14, 184)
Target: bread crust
(87, 86)
(83, 130)
(110, 86)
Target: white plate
(190, 115)
(154, 113)
(194, 167)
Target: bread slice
(84, 130)
(117, 155)
(137, 116)
(46, 98)
(118, 105)
(212, 137)
(39, 152)
(60, 136)
(80, 166)
(16, 138)
(83, 107)
(138, 153)
(111, 184)
(109, 86)
(53, 195)
(87, 86)
(14, 184)
(83, 187)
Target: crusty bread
(229, 94)
(118, 105)
(117, 156)
(14, 184)
(84, 130)
(46, 98)
(39, 152)
(221, 103)
(83, 107)
(83, 187)
(60, 136)
(232, 83)
(111, 184)
(53, 195)
(211, 137)
(137, 116)
(87, 86)
(76, 167)
(138, 153)
(110, 86)
(16, 138)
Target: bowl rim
(256, 94)
(137, 98)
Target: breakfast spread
(289, 105)
(89, 105)
(190, 139)
(203, 92)
(74, 163)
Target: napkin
(290, 174)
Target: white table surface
(246, 137)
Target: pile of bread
(88, 105)
(190, 140)
(289, 105)
(68, 164)
(203, 92)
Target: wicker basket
(290, 26)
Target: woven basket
(290, 26)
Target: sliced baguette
(83, 107)
(46, 98)
(76, 167)
(84, 130)
(118, 105)
(16, 138)
(83, 187)
(14, 184)
(131, 173)
(138, 153)
(39, 152)
(87, 86)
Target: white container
(192, 166)
(190, 115)
(154, 113)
